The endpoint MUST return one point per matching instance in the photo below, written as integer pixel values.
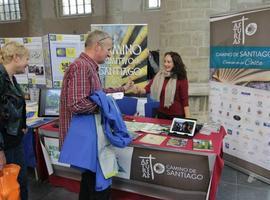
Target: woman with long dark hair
(170, 88)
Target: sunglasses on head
(104, 38)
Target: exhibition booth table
(29, 142)
(154, 165)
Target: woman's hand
(2, 160)
(25, 130)
(140, 90)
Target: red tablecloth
(216, 138)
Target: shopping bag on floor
(9, 186)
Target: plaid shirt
(80, 80)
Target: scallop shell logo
(251, 29)
(64, 65)
(159, 168)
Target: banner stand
(239, 96)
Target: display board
(129, 54)
(60, 51)
(239, 87)
(36, 70)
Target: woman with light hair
(13, 60)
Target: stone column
(114, 11)
(34, 17)
(185, 29)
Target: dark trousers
(16, 155)
(87, 188)
(161, 115)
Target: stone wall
(185, 28)
(40, 17)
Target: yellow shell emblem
(64, 65)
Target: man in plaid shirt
(80, 80)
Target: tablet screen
(183, 126)
(48, 105)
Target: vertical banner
(129, 54)
(240, 86)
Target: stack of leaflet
(209, 128)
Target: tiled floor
(233, 186)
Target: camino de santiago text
(245, 58)
(242, 54)
(122, 57)
(121, 51)
(186, 173)
(253, 54)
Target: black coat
(12, 111)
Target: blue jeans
(16, 155)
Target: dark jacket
(12, 111)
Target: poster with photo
(240, 86)
(36, 69)
(52, 147)
(63, 49)
(129, 54)
(21, 78)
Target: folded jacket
(87, 145)
(114, 127)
